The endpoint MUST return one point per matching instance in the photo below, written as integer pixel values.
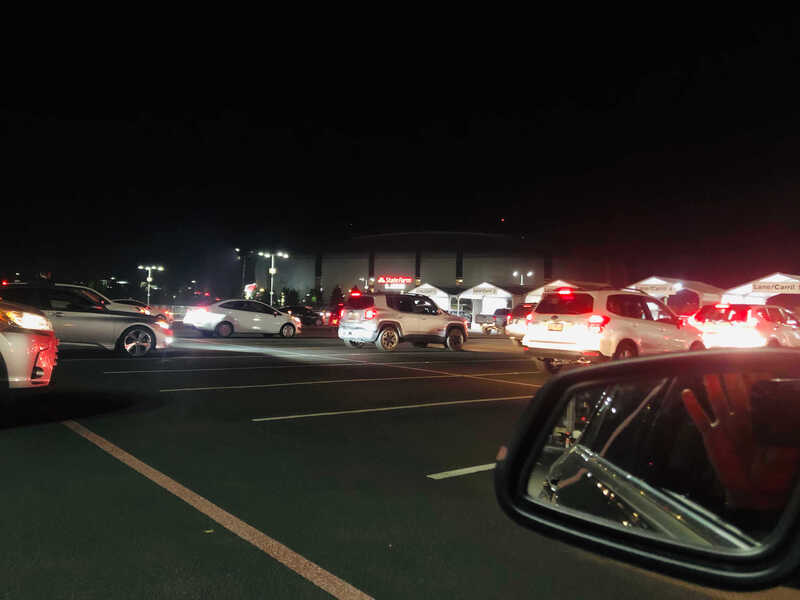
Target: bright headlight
(162, 324)
(27, 320)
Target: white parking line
(460, 472)
(386, 408)
(336, 587)
(317, 365)
(359, 380)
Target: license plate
(352, 317)
(555, 326)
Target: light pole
(272, 269)
(150, 269)
(522, 276)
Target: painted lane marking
(460, 472)
(314, 366)
(387, 408)
(358, 380)
(336, 587)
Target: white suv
(746, 326)
(388, 319)
(592, 325)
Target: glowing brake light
(355, 293)
(5, 282)
(564, 291)
(597, 322)
(508, 319)
(370, 313)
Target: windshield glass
(573, 304)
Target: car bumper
(29, 357)
(592, 356)
(356, 333)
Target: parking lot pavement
(252, 467)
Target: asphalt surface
(284, 436)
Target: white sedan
(241, 316)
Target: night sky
(675, 149)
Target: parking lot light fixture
(522, 276)
(272, 270)
(150, 269)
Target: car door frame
(94, 326)
(668, 333)
(428, 326)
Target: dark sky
(674, 148)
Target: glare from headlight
(27, 320)
(162, 324)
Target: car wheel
(206, 334)
(550, 365)
(137, 342)
(454, 341)
(224, 329)
(352, 344)
(5, 390)
(626, 350)
(287, 330)
(420, 344)
(696, 347)
(388, 340)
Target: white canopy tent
(759, 290)
(440, 297)
(663, 287)
(536, 295)
(486, 298)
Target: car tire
(626, 349)
(454, 340)
(420, 344)
(206, 334)
(5, 388)
(388, 339)
(697, 347)
(288, 330)
(352, 344)
(137, 342)
(224, 329)
(550, 365)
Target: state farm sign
(774, 287)
(393, 282)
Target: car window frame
(76, 293)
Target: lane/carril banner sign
(777, 287)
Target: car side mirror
(685, 463)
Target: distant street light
(522, 275)
(272, 269)
(150, 269)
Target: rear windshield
(574, 304)
(522, 310)
(732, 314)
(359, 302)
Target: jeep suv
(592, 325)
(388, 319)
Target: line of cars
(36, 318)
(594, 324)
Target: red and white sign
(394, 282)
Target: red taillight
(722, 305)
(5, 282)
(529, 317)
(355, 293)
(508, 319)
(597, 322)
(565, 291)
(370, 313)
